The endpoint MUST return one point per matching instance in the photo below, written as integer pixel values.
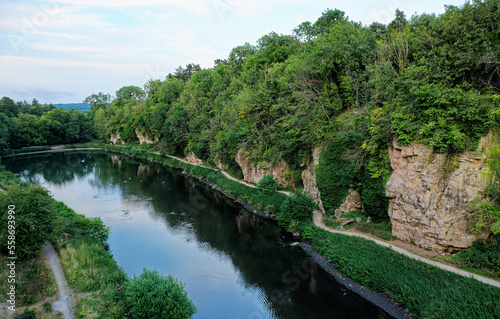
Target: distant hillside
(77, 106)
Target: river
(233, 263)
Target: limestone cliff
(114, 139)
(143, 139)
(191, 158)
(430, 195)
(352, 203)
(253, 173)
(309, 179)
(220, 165)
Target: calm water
(233, 264)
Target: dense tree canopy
(334, 82)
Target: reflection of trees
(254, 245)
(56, 168)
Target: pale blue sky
(60, 51)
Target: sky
(61, 51)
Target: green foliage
(27, 314)
(154, 296)
(486, 216)
(335, 173)
(295, 209)
(426, 291)
(482, 257)
(34, 219)
(268, 184)
(34, 280)
(78, 226)
(375, 202)
(381, 229)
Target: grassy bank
(25, 150)
(88, 267)
(425, 291)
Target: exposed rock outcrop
(431, 194)
(352, 203)
(253, 173)
(191, 158)
(309, 179)
(115, 138)
(220, 165)
(143, 139)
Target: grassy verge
(25, 150)
(34, 281)
(424, 290)
(88, 266)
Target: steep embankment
(431, 194)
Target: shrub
(152, 295)
(482, 256)
(268, 184)
(34, 219)
(297, 208)
(27, 314)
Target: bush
(34, 219)
(152, 295)
(27, 314)
(297, 208)
(483, 257)
(268, 184)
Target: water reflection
(234, 264)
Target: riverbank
(357, 265)
(94, 280)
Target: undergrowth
(424, 290)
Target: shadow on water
(234, 264)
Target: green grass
(25, 150)
(88, 266)
(381, 229)
(425, 291)
(34, 281)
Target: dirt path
(66, 301)
(318, 221)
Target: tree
(399, 22)
(130, 94)
(305, 32)
(295, 209)
(153, 296)
(29, 131)
(186, 73)
(267, 185)
(8, 107)
(4, 132)
(327, 19)
(97, 101)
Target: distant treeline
(23, 124)
(76, 106)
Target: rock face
(431, 193)
(309, 179)
(143, 139)
(253, 173)
(115, 139)
(220, 165)
(191, 158)
(352, 203)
